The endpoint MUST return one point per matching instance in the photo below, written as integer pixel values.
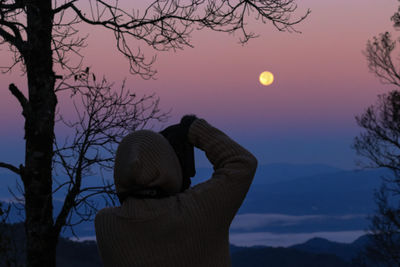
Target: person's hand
(186, 122)
(177, 136)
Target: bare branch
(103, 117)
(68, 204)
(379, 57)
(167, 25)
(64, 7)
(21, 99)
(15, 27)
(10, 167)
(8, 37)
(12, 7)
(11, 29)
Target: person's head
(146, 160)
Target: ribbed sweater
(188, 229)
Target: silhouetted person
(161, 222)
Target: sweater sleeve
(220, 197)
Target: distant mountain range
(276, 172)
(286, 198)
(308, 189)
(344, 192)
(315, 252)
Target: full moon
(266, 78)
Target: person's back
(189, 228)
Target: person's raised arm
(234, 169)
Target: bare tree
(380, 144)
(44, 39)
(103, 117)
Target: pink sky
(307, 115)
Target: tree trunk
(39, 135)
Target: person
(161, 223)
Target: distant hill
(315, 252)
(77, 254)
(344, 251)
(284, 257)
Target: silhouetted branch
(11, 6)
(10, 167)
(11, 29)
(379, 56)
(21, 99)
(16, 31)
(163, 25)
(166, 25)
(103, 117)
(8, 37)
(64, 6)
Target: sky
(307, 114)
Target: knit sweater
(187, 229)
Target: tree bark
(39, 135)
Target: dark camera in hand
(177, 136)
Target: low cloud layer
(253, 221)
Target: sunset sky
(305, 116)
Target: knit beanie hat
(146, 159)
